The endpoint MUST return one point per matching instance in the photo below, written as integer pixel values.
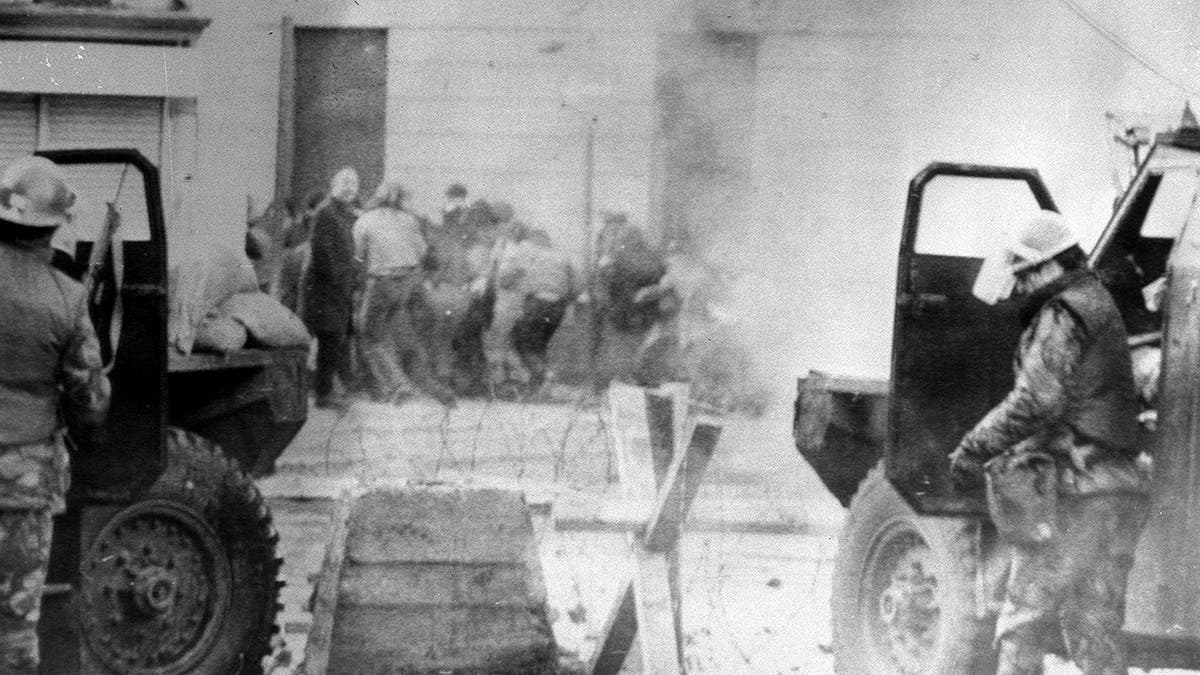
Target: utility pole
(589, 252)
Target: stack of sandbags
(202, 278)
(216, 306)
(267, 322)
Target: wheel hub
(153, 591)
(154, 588)
(904, 623)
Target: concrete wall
(493, 94)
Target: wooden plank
(631, 440)
(677, 394)
(325, 597)
(655, 610)
(680, 488)
(620, 627)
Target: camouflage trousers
(1072, 589)
(33, 483)
(24, 556)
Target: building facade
(776, 138)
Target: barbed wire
(568, 443)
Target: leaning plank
(680, 488)
(325, 595)
(676, 422)
(620, 628)
(678, 392)
(655, 611)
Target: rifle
(92, 287)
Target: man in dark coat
(329, 287)
(1073, 402)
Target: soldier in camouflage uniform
(51, 377)
(1073, 399)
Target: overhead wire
(1129, 51)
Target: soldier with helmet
(51, 378)
(1066, 489)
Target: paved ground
(755, 560)
(756, 557)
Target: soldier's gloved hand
(966, 470)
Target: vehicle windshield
(966, 216)
(1135, 255)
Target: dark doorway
(340, 98)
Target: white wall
(855, 97)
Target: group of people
(464, 305)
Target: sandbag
(220, 334)
(199, 282)
(268, 322)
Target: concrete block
(438, 526)
(434, 580)
(445, 584)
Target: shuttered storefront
(104, 122)
(18, 126)
(147, 124)
(29, 122)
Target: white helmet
(1040, 238)
(34, 193)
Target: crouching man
(1073, 403)
(51, 376)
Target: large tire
(904, 590)
(184, 580)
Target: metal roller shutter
(106, 122)
(18, 127)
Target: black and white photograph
(599, 337)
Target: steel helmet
(1042, 237)
(34, 193)
(1039, 239)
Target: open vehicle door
(127, 304)
(951, 353)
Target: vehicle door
(951, 353)
(128, 308)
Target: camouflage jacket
(51, 376)
(1073, 393)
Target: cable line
(1121, 45)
